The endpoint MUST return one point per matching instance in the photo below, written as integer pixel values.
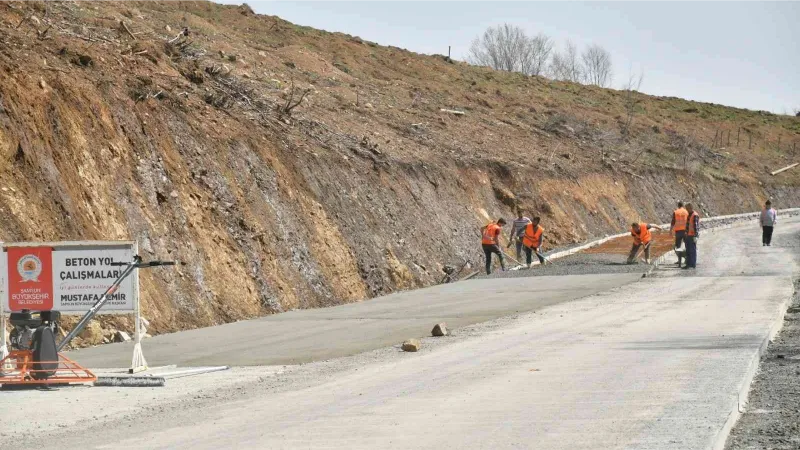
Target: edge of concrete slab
(721, 438)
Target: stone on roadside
(411, 345)
(123, 336)
(440, 329)
(92, 334)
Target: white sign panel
(81, 272)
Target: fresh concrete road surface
(312, 335)
(655, 364)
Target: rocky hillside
(287, 167)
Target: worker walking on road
(517, 230)
(490, 241)
(641, 238)
(532, 240)
(678, 228)
(692, 234)
(769, 217)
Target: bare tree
(500, 48)
(630, 100)
(507, 47)
(540, 48)
(566, 65)
(597, 66)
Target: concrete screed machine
(35, 359)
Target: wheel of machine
(45, 356)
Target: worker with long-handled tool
(532, 241)
(490, 241)
(641, 240)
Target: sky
(744, 54)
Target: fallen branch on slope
(783, 169)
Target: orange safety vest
(690, 228)
(681, 216)
(490, 233)
(643, 236)
(532, 238)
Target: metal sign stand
(3, 343)
(138, 363)
(3, 346)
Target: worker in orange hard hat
(490, 241)
(678, 228)
(641, 238)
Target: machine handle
(158, 263)
(139, 264)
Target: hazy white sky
(744, 54)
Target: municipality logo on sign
(29, 268)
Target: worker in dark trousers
(678, 228)
(517, 230)
(692, 234)
(641, 237)
(490, 241)
(769, 217)
(532, 241)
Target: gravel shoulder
(771, 419)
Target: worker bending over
(490, 241)
(532, 240)
(641, 237)
(678, 228)
(692, 234)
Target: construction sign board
(66, 276)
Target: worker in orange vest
(532, 241)
(678, 228)
(641, 237)
(692, 234)
(490, 241)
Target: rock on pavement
(440, 329)
(411, 345)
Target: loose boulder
(92, 334)
(440, 330)
(123, 336)
(411, 345)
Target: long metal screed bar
(129, 268)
